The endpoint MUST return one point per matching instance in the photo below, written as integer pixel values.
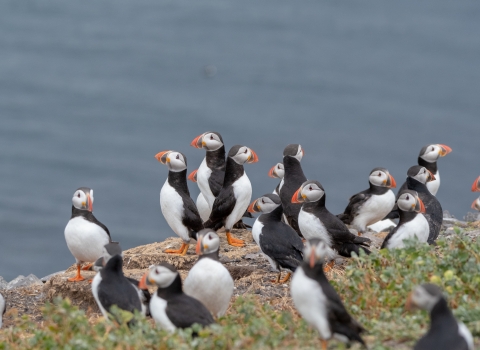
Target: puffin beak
(303, 152)
(476, 185)
(419, 206)
(431, 177)
(475, 205)
(143, 282)
(252, 158)
(312, 258)
(90, 204)
(193, 176)
(198, 248)
(297, 196)
(253, 208)
(162, 157)
(272, 172)
(197, 141)
(409, 305)
(391, 183)
(444, 150)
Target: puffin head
(209, 140)
(315, 252)
(161, 275)
(242, 154)
(207, 242)
(310, 191)
(408, 200)
(430, 153)
(476, 185)
(294, 150)
(420, 174)
(476, 204)
(381, 177)
(265, 204)
(175, 161)
(424, 297)
(83, 199)
(277, 171)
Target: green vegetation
(373, 287)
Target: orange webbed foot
(181, 251)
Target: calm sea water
(91, 90)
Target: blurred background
(91, 90)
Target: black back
(88, 215)
(216, 162)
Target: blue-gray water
(91, 90)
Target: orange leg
(278, 278)
(182, 250)
(329, 266)
(324, 344)
(87, 267)
(78, 277)
(287, 277)
(234, 241)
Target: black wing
(90, 217)
(222, 207)
(355, 202)
(183, 311)
(282, 244)
(394, 214)
(388, 237)
(339, 232)
(118, 292)
(145, 292)
(191, 218)
(434, 216)
(215, 181)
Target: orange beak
(303, 152)
(251, 207)
(475, 205)
(431, 177)
(393, 183)
(193, 176)
(162, 157)
(253, 157)
(271, 172)
(90, 204)
(312, 259)
(409, 304)
(445, 150)
(297, 197)
(197, 141)
(143, 282)
(422, 206)
(198, 248)
(476, 185)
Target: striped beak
(199, 247)
(476, 204)
(272, 172)
(143, 284)
(430, 177)
(419, 206)
(444, 150)
(89, 202)
(193, 176)
(253, 208)
(197, 142)
(391, 183)
(476, 185)
(252, 158)
(298, 197)
(162, 157)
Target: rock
(252, 256)
(22, 281)
(48, 277)
(447, 215)
(472, 217)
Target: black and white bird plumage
(170, 307)
(412, 224)
(111, 287)
(84, 234)
(445, 331)
(177, 207)
(294, 177)
(316, 221)
(318, 302)
(3, 308)
(209, 281)
(234, 197)
(280, 244)
(277, 171)
(372, 205)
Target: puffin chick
(318, 302)
(84, 234)
(279, 243)
(209, 281)
(445, 331)
(170, 307)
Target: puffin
(177, 207)
(318, 302)
(279, 243)
(445, 331)
(277, 171)
(316, 221)
(209, 281)
(234, 197)
(412, 223)
(202, 205)
(476, 204)
(84, 234)
(294, 177)
(110, 286)
(170, 307)
(3, 308)
(372, 205)
(476, 185)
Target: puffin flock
(295, 232)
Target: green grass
(374, 289)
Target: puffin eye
(177, 157)
(310, 188)
(156, 271)
(433, 148)
(78, 195)
(245, 151)
(211, 137)
(263, 201)
(209, 236)
(379, 174)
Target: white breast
(85, 240)
(203, 209)
(434, 185)
(242, 190)
(374, 210)
(2, 309)
(465, 333)
(158, 311)
(312, 227)
(210, 282)
(171, 204)
(95, 285)
(256, 232)
(418, 227)
(280, 187)
(310, 301)
(203, 174)
(142, 298)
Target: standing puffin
(316, 221)
(280, 244)
(84, 234)
(235, 195)
(318, 302)
(277, 171)
(412, 223)
(177, 207)
(209, 281)
(110, 286)
(294, 177)
(202, 205)
(3, 308)
(372, 205)
(445, 331)
(170, 307)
